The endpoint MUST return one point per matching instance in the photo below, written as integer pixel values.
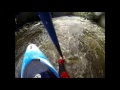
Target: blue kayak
(32, 54)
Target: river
(82, 44)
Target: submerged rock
(82, 44)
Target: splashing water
(82, 44)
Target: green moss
(87, 15)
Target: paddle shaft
(47, 21)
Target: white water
(82, 44)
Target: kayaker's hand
(62, 58)
(61, 61)
(62, 71)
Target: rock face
(23, 17)
(82, 44)
(26, 17)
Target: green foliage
(97, 17)
(87, 15)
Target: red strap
(64, 75)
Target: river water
(82, 44)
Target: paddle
(47, 21)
